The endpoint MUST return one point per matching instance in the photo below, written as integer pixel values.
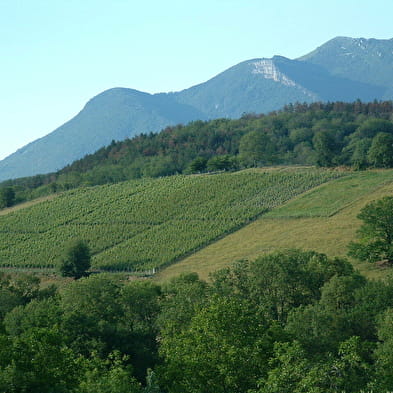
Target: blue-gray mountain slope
(343, 69)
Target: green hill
(321, 219)
(151, 223)
(195, 223)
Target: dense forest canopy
(356, 134)
(292, 321)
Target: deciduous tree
(76, 260)
(376, 234)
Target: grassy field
(322, 219)
(139, 225)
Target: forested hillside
(358, 135)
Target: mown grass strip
(328, 199)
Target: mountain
(343, 69)
(358, 59)
(264, 85)
(115, 114)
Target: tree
(256, 148)
(198, 165)
(7, 197)
(381, 151)
(38, 361)
(325, 147)
(109, 375)
(76, 260)
(359, 159)
(224, 162)
(376, 233)
(294, 372)
(225, 348)
(278, 282)
(372, 127)
(384, 353)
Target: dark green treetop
(376, 234)
(76, 260)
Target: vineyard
(148, 223)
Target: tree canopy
(376, 233)
(76, 260)
(292, 321)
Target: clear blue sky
(57, 54)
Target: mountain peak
(342, 69)
(366, 60)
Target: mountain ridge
(258, 85)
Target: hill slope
(149, 223)
(343, 69)
(322, 219)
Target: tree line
(359, 135)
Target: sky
(57, 54)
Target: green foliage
(224, 349)
(359, 157)
(76, 260)
(256, 148)
(380, 153)
(322, 325)
(111, 375)
(384, 353)
(294, 372)
(198, 165)
(222, 163)
(39, 313)
(376, 233)
(7, 197)
(282, 281)
(182, 297)
(37, 361)
(372, 127)
(91, 305)
(325, 146)
(113, 316)
(15, 290)
(293, 321)
(152, 385)
(138, 324)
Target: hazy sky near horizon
(57, 54)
